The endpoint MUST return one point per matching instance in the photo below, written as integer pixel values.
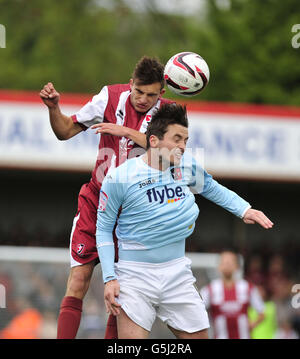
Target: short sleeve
(93, 111)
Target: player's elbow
(60, 134)
(65, 129)
(64, 135)
(61, 137)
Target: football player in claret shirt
(120, 113)
(228, 299)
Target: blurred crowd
(276, 278)
(34, 290)
(33, 295)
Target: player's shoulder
(244, 281)
(217, 281)
(116, 89)
(244, 284)
(191, 169)
(123, 173)
(215, 284)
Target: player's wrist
(127, 132)
(54, 108)
(109, 280)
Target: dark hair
(148, 71)
(167, 114)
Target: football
(186, 74)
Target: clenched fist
(49, 95)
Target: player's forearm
(106, 253)
(61, 124)
(255, 323)
(136, 136)
(260, 318)
(226, 198)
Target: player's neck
(153, 160)
(228, 282)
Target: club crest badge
(80, 248)
(176, 173)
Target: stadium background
(247, 121)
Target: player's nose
(182, 146)
(143, 99)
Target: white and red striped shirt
(228, 307)
(113, 105)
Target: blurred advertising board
(238, 141)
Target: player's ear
(162, 91)
(153, 140)
(131, 83)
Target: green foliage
(82, 45)
(249, 48)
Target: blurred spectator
(286, 331)
(228, 298)
(268, 327)
(277, 278)
(43, 284)
(25, 325)
(48, 328)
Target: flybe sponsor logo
(166, 194)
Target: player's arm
(257, 303)
(233, 203)
(110, 200)
(90, 114)
(255, 323)
(205, 294)
(204, 184)
(62, 125)
(121, 131)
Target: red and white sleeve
(93, 111)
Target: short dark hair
(148, 71)
(167, 114)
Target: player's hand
(111, 291)
(254, 216)
(49, 95)
(110, 129)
